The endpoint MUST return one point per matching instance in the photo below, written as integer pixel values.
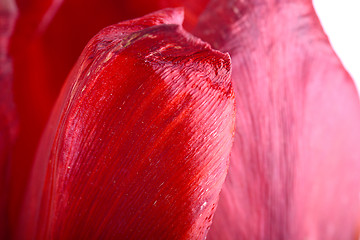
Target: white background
(341, 22)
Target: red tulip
(138, 142)
(48, 39)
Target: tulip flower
(48, 38)
(138, 141)
(140, 138)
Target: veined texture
(295, 162)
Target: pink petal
(295, 163)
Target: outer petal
(138, 144)
(49, 37)
(295, 163)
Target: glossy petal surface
(138, 144)
(295, 163)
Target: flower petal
(294, 168)
(48, 39)
(138, 144)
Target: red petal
(49, 37)
(138, 144)
(294, 171)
